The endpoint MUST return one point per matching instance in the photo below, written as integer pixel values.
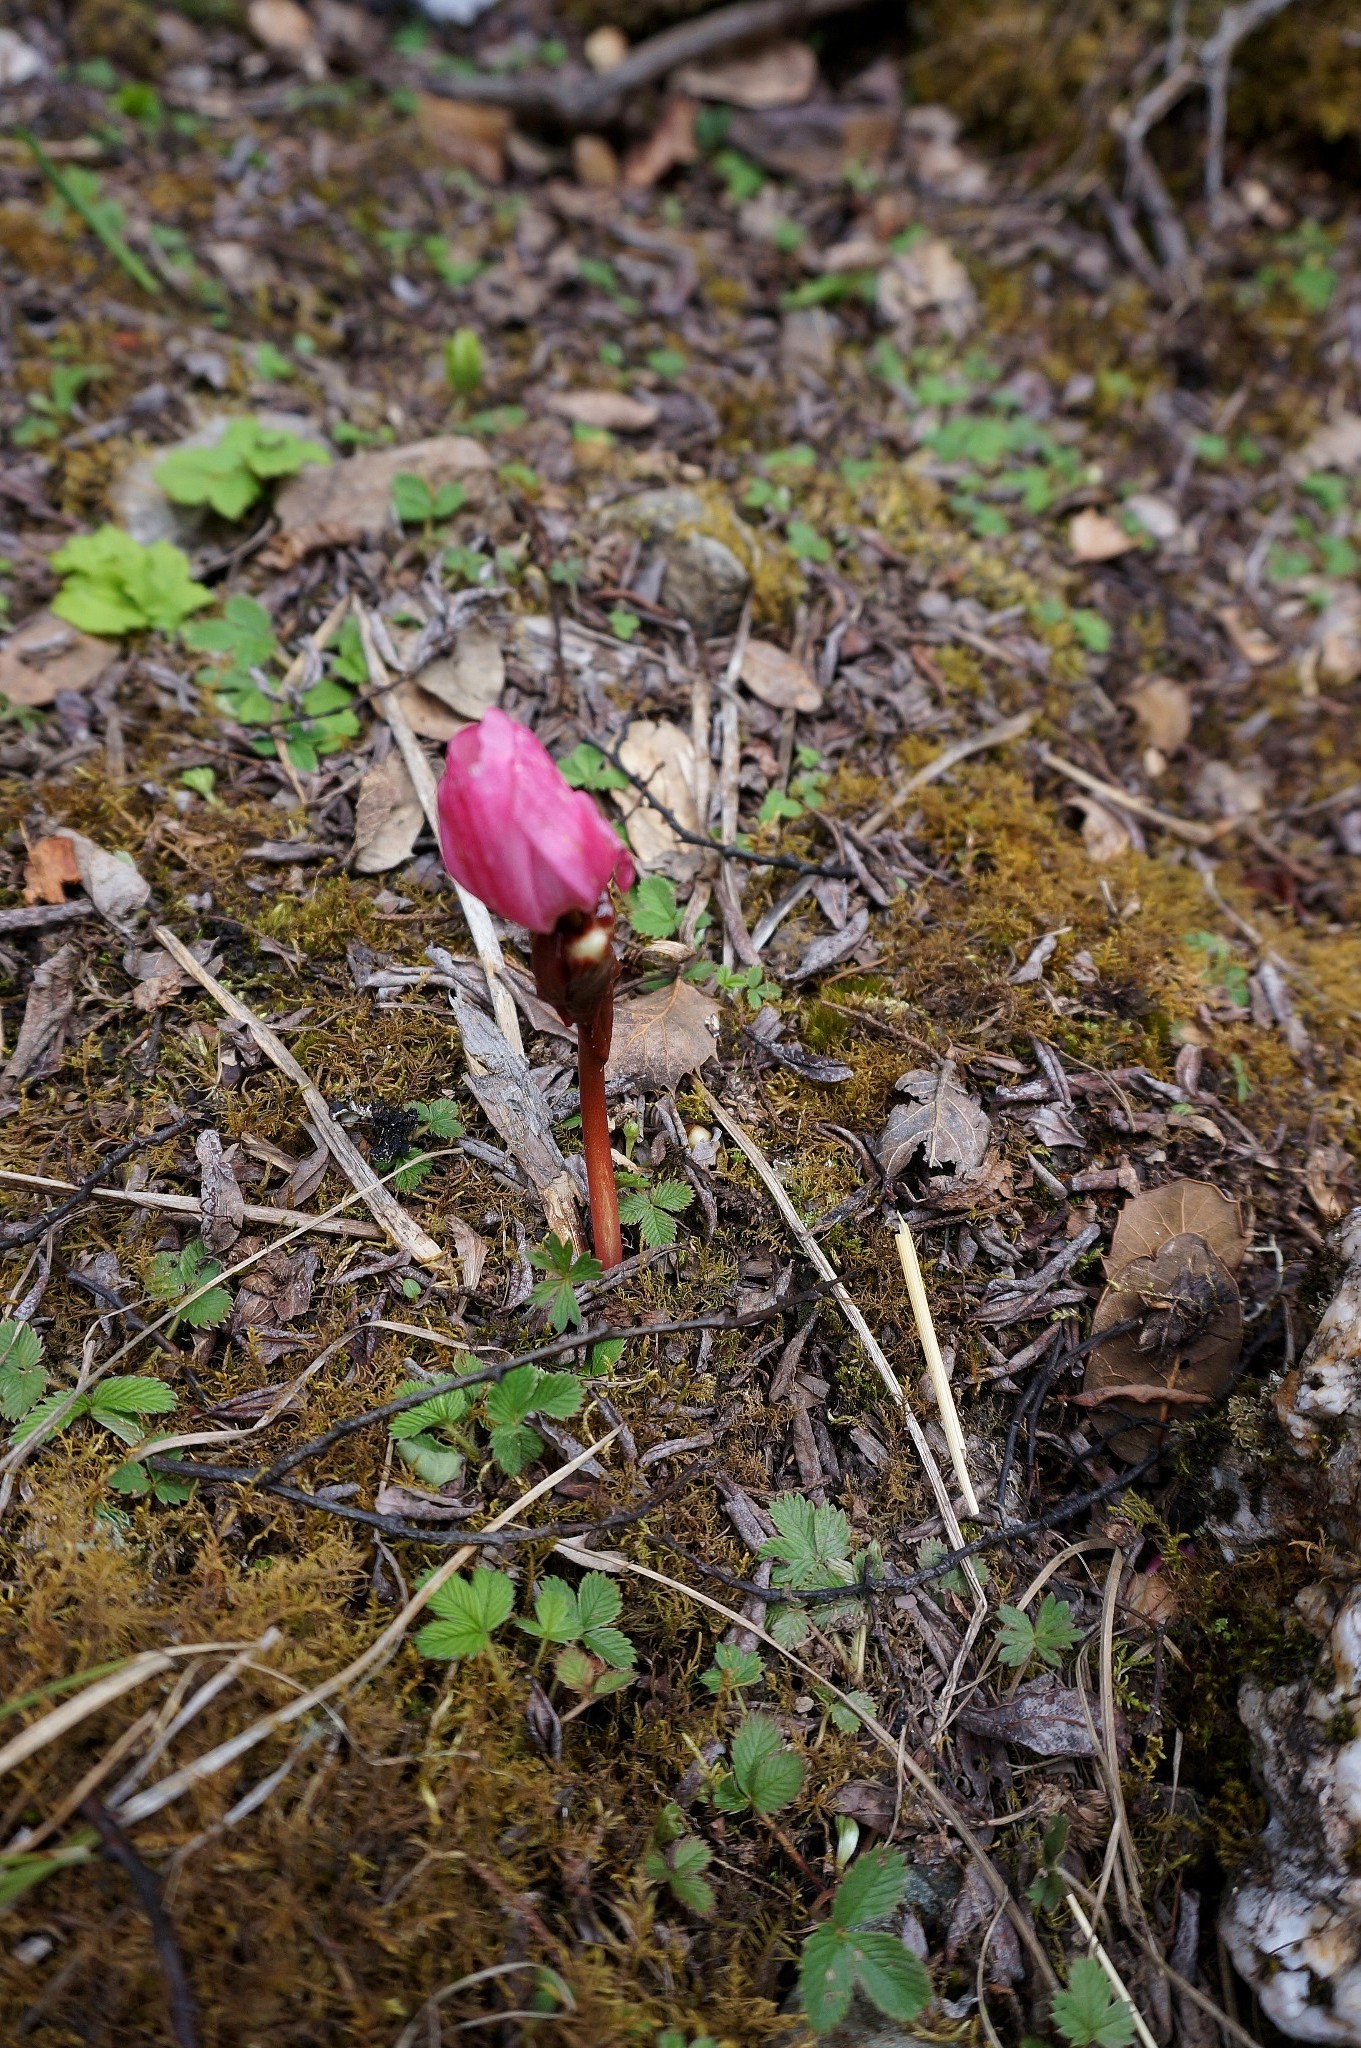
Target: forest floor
(1014, 611)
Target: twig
(950, 757)
(113, 242)
(37, 917)
(182, 1205)
(1121, 799)
(935, 1364)
(577, 100)
(14, 1234)
(1216, 57)
(405, 1233)
(143, 1881)
(475, 914)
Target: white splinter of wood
(935, 1364)
(475, 913)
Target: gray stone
(142, 508)
(705, 582)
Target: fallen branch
(581, 99)
(14, 1234)
(181, 1205)
(143, 1880)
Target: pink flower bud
(516, 834)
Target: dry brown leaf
(1095, 537)
(1105, 834)
(275, 1291)
(387, 817)
(223, 1205)
(781, 75)
(661, 1037)
(1044, 1715)
(464, 133)
(285, 30)
(1188, 1335)
(1163, 709)
(1327, 1170)
(47, 655)
(50, 869)
(343, 503)
(774, 676)
(455, 689)
(613, 410)
(594, 163)
(942, 1121)
(1336, 446)
(605, 48)
(1147, 1222)
(1223, 791)
(817, 140)
(1257, 648)
(671, 142)
(112, 883)
(663, 759)
(47, 1013)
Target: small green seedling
(731, 1669)
(112, 584)
(116, 1404)
(231, 475)
(190, 1274)
(1087, 2014)
(1045, 1640)
(465, 363)
(1047, 1891)
(417, 505)
(586, 768)
(434, 1436)
(46, 411)
(811, 1549)
(468, 1610)
(678, 1860)
(653, 910)
(596, 1658)
(654, 1208)
(564, 1271)
(846, 1954)
(765, 1776)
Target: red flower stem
(595, 1142)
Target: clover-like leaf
(469, 1610)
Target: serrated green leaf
(1087, 2014)
(575, 1670)
(612, 1647)
(206, 1311)
(430, 1460)
(599, 1600)
(513, 1396)
(514, 1445)
(115, 585)
(727, 1795)
(411, 499)
(891, 1977)
(558, 1394)
(732, 1668)
(826, 1979)
(812, 1546)
(441, 1118)
(681, 1868)
(769, 1775)
(871, 1889)
(469, 1610)
(556, 1619)
(20, 1346)
(20, 1387)
(37, 1419)
(653, 910)
(606, 1682)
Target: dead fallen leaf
(1045, 1716)
(1095, 537)
(781, 75)
(1152, 1217)
(663, 759)
(1184, 1302)
(1105, 834)
(671, 142)
(275, 1291)
(1163, 709)
(1257, 648)
(1223, 791)
(50, 869)
(818, 140)
(159, 978)
(464, 133)
(1033, 966)
(605, 48)
(47, 655)
(343, 503)
(778, 679)
(874, 1802)
(470, 679)
(613, 410)
(286, 31)
(47, 1013)
(387, 817)
(927, 277)
(661, 1037)
(1327, 1170)
(594, 163)
(223, 1205)
(1054, 1125)
(1336, 446)
(942, 1121)
(832, 947)
(500, 1080)
(112, 882)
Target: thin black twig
(14, 1234)
(119, 1849)
(829, 870)
(414, 1532)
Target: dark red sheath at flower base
(536, 851)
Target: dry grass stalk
(949, 757)
(935, 1365)
(189, 1205)
(475, 913)
(404, 1231)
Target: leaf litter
(551, 428)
